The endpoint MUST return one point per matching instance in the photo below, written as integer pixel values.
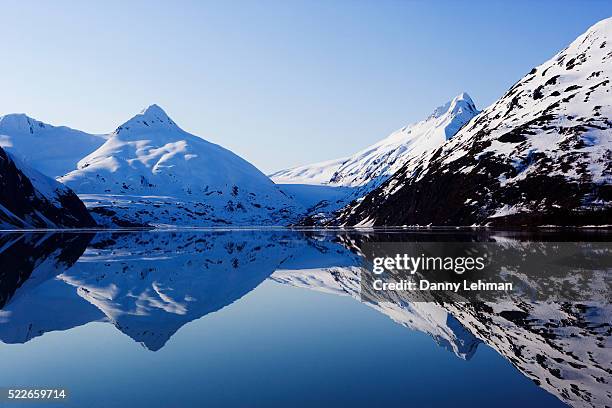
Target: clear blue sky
(281, 83)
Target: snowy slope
(372, 165)
(52, 150)
(29, 199)
(357, 175)
(541, 154)
(312, 174)
(151, 171)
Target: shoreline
(603, 227)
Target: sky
(281, 83)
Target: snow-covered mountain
(29, 199)
(351, 178)
(541, 154)
(320, 173)
(372, 165)
(52, 150)
(150, 171)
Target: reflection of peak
(562, 347)
(428, 318)
(434, 320)
(150, 285)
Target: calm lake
(274, 318)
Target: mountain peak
(19, 121)
(463, 97)
(456, 105)
(149, 118)
(593, 43)
(153, 110)
(603, 26)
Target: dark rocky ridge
(22, 205)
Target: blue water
(261, 344)
(277, 346)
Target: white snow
(149, 155)
(575, 88)
(374, 164)
(52, 150)
(45, 186)
(316, 174)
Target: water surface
(275, 318)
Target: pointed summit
(460, 112)
(152, 117)
(153, 110)
(169, 176)
(371, 166)
(603, 26)
(459, 103)
(463, 97)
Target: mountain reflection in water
(150, 284)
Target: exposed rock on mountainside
(541, 154)
(28, 199)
